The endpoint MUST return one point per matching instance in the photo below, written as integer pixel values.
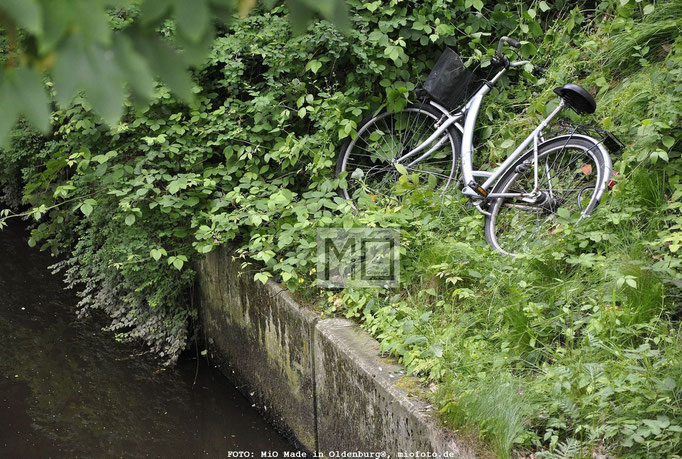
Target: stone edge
(361, 355)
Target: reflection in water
(67, 389)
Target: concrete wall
(321, 382)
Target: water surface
(69, 390)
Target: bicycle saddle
(577, 98)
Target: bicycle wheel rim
(403, 131)
(576, 177)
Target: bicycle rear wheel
(369, 159)
(573, 174)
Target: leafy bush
(584, 335)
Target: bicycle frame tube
(470, 114)
(449, 122)
(471, 111)
(533, 137)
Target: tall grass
(574, 351)
(656, 29)
(498, 408)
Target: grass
(575, 350)
(653, 31)
(536, 351)
(497, 408)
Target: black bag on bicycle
(450, 82)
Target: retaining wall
(320, 381)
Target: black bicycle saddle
(577, 98)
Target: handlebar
(501, 59)
(510, 41)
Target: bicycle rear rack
(604, 137)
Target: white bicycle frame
(470, 114)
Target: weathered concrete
(261, 338)
(360, 404)
(320, 381)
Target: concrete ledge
(360, 404)
(322, 382)
(261, 339)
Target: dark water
(69, 390)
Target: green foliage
(632, 46)
(19, 163)
(573, 351)
(73, 41)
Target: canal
(67, 389)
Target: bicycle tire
(507, 230)
(420, 118)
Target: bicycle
(568, 171)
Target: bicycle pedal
(478, 189)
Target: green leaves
(631, 281)
(250, 162)
(98, 76)
(396, 99)
(262, 277)
(139, 76)
(166, 63)
(23, 93)
(178, 261)
(192, 18)
(26, 13)
(302, 13)
(477, 4)
(507, 143)
(74, 43)
(88, 206)
(154, 11)
(156, 254)
(659, 154)
(314, 65)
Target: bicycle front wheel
(369, 158)
(572, 175)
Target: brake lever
(500, 60)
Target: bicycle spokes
(566, 180)
(371, 158)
